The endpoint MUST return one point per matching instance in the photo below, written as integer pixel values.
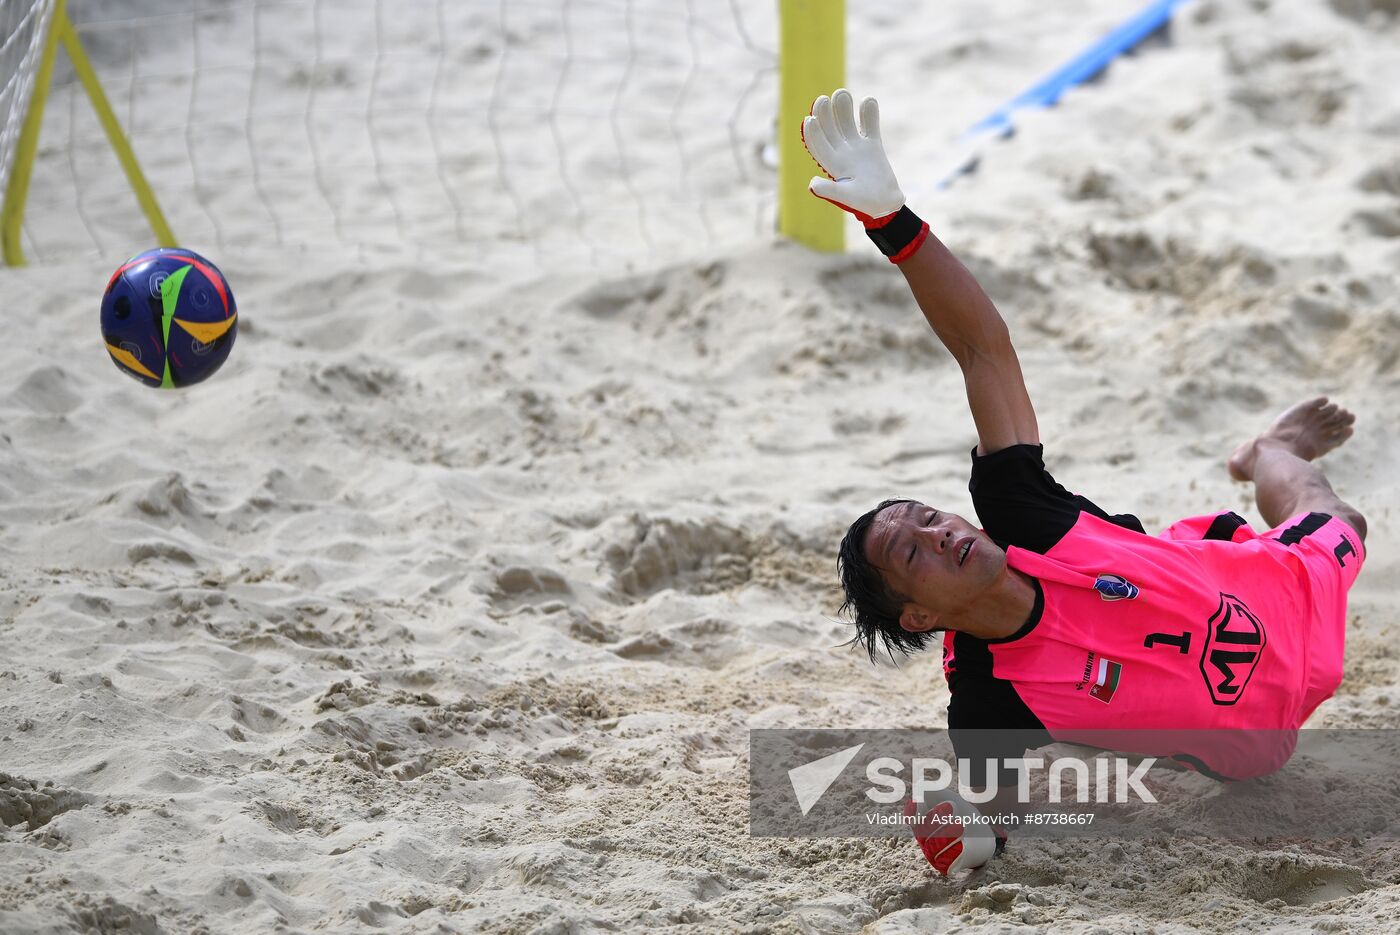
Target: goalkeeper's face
(938, 562)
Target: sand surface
(448, 604)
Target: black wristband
(903, 231)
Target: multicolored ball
(168, 318)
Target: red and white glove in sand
(859, 177)
(949, 840)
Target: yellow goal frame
(812, 61)
(17, 191)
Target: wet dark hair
(874, 608)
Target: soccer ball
(168, 318)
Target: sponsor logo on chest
(1088, 672)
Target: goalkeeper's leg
(1279, 462)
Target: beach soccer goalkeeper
(1058, 616)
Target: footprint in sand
(48, 391)
(1297, 882)
(1378, 222)
(518, 586)
(698, 557)
(1367, 11)
(22, 800)
(1383, 178)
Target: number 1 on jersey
(1182, 641)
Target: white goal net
(552, 131)
(23, 26)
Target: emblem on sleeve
(1115, 588)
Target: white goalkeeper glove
(860, 179)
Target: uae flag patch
(1106, 683)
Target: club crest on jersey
(1235, 639)
(1115, 588)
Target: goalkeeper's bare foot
(1309, 430)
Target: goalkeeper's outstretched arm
(860, 180)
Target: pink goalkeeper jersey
(1182, 632)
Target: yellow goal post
(46, 24)
(812, 61)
